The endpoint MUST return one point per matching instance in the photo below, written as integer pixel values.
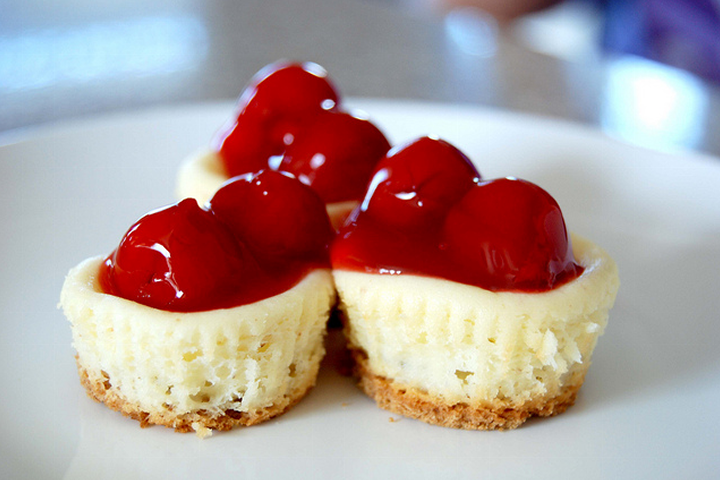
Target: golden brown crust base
(102, 392)
(494, 415)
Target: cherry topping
(271, 109)
(175, 257)
(289, 119)
(509, 234)
(244, 147)
(275, 215)
(417, 183)
(258, 237)
(427, 213)
(335, 154)
(288, 90)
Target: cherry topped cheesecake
(290, 118)
(466, 302)
(208, 317)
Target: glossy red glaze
(436, 218)
(288, 118)
(288, 90)
(509, 234)
(417, 183)
(242, 248)
(276, 216)
(244, 147)
(335, 154)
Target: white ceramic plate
(649, 407)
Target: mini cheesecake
(194, 371)
(465, 302)
(208, 318)
(462, 356)
(290, 118)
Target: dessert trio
(465, 302)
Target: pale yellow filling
(241, 358)
(200, 176)
(467, 344)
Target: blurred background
(646, 71)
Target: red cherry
(426, 212)
(271, 109)
(244, 147)
(176, 258)
(278, 217)
(335, 154)
(288, 89)
(508, 234)
(417, 183)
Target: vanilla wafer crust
(99, 387)
(496, 414)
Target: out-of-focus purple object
(681, 33)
